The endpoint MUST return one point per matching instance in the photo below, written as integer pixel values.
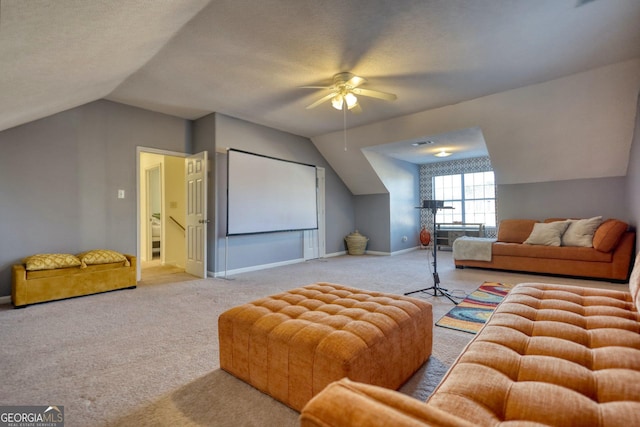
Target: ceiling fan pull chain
(344, 122)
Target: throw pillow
(101, 256)
(50, 261)
(547, 234)
(580, 232)
(608, 234)
(515, 230)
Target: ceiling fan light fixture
(337, 102)
(351, 100)
(344, 89)
(443, 153)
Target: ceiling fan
(344, 89)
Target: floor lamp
(433, 206)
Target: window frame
(460, 212)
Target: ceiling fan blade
(355, 81)
(321, 100)
(316, 87)
(356, 109)
(375, 94)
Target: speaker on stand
(433, 206)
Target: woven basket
(356, 243)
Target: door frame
(139, 151)
(316, 237)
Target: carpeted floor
(149, 356)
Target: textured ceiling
(59, 54)
(248, 58)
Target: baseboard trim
(377, 253)
(296, 261)
(255, 268)
(403, 251)
(5, 299)
(334, 254)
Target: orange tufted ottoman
(293, 344)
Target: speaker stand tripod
(436, 288)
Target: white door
(310, 244)
(196, 179)
(314, 240)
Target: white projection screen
(267, 195)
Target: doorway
(161, 216)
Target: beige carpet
(149, 356)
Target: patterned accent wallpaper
(428, 171)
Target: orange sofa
(609, 258)
(550, 355)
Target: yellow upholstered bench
(50, 277)
(293, 344)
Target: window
(472, 196)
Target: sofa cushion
(551, 252)
(608, 234)
(101, 256)
(580, 232)
(50, 261)
(515, 230)
(547, 234)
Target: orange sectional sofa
(550, 355)
(608, 259)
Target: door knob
(204, 221)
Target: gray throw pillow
(547, 234)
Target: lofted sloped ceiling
(248, 58)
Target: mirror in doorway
(154, 207)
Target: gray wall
(401, 179)
(272, 248)
(59, 178)
(373, 219)
(583, 198)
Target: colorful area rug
(472, 313)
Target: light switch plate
(120, 194)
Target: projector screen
(267, 195)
